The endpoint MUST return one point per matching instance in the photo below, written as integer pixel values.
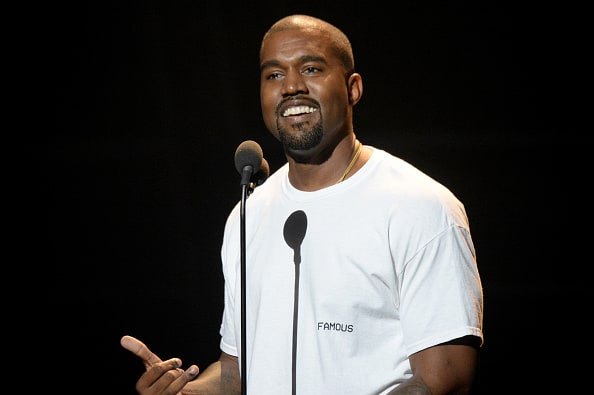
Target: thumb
(140, 349)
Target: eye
(310, 70)
(274, 76)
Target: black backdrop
(152, 99)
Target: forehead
(295, 43)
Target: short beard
(303, 141)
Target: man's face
(303, 91)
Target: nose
(293, 84)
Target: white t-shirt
(387, 269)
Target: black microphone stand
(294, 232)
(246, 189)
(249, 162)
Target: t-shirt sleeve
(441, 294)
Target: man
(380, 292)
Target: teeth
(298, 110)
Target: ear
(355, 87)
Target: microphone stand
(294, 232)
(243, 293)
(246, 189)
(248, 162)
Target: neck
(348, 169)
(343, 163)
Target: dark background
(153, 97)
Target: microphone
(250, 163)
(294, 232)
(262, 174)
(248, 160)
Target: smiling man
(385, 297)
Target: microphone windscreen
(262, 174)
(295, 228)
(294, 232)
(248, 153)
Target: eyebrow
(302, 59)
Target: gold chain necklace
(353, 161)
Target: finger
(186, 376)
(140, 349)
(167, 377)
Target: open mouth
(298, 110)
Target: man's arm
(220, 378)
(445, 369)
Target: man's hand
(161, 377)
